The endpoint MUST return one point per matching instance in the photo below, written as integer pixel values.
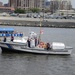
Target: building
(54, 5)
(65, 5)
(47, 5)
(1, 4)
(6, 5)
(26, 4)
(13, 3)
(60, 5)
(6, 9)
(65, 12)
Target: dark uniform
(28, 42)
(4, 39)
(48, 46)
(12, 38)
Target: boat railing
(8, 34)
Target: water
(33, 64)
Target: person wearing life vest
(48, 46)
(41, 45)
(35, 41)
(4, 39)
(28, 42)
(12, 38)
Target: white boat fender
(56, 45)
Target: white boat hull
(18, 47)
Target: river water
(33, 64)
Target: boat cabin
(8, 32)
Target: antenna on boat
(40, 30)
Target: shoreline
(35, 22)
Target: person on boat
(38, 41)
(35, 41)
(45, 46)
(48, 46)
(12, 38)
(28, 41)
(4, 39)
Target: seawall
(35, 22)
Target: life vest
(41, 45)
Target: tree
(35, 10)
(62, 13)
(19, 11)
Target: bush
(35, 10)
(19, 11)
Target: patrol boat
(55, 48)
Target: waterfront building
(65, 12)
(13, 3)
(47, 5)
(54, 5)
(6, 9)
(6, 5)
(1, 4)
(65, 5)
(27, 4)
(60, 5)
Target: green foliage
(19, 11)
(62, 13)
(35, 10)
